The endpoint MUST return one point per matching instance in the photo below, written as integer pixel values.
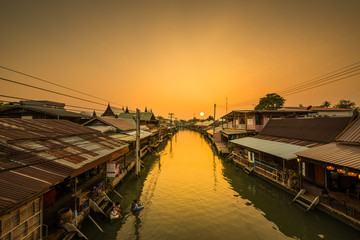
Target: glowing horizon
(180, 56)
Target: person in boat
(135, 205)
(115, 211)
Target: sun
(201, 114)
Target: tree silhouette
(347, 104)
(271, 101)
(326, 104)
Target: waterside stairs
(306, 201)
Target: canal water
(190, 193)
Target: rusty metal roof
(352, 133)
(321, 129)
(43, 152)
(335, 153)
(119, 123)
(46, 110)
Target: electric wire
(19, 98)
(58, 85)
(319, 81)
(312, 87)
(324, 75)
(47, 90)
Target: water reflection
(189, 193)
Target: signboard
(110, 169)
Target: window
(251, 156)
(303, 168)
(259, 120)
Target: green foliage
(231, 146)
(210, 118)
(271, 101)
(194, 120)
(4, 105)
(347, 104)
(326, 104)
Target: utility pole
(137, 150)
(171, 115)
(214, 124)
(226, 104)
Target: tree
(210, 118)
(4, 105)
(271, 101)
(326, 104)
(347, 104)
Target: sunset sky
(179, 56)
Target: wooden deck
(222, 147)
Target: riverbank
(336, 205)
(311, 193)
(187, 174)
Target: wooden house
(276, 146)
(42, 160)
(335, 166)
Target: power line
(58, 85)
(299, 84)
(19, 98)
(319, 81)
(322, 84)
(47, 90)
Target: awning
(283, 150)
(335, 153)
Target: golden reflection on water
(189, 193)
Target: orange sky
(180, 56)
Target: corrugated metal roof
(352, 133)
(283, 150)
(131, 136)
(103, 129)
(233, 131)
(22, 129)
(47, 110)
(144, 116)
(143, 134)
(303, 143)
(318, 109)
(124, 137)
(204, 124)
(335, 153)
(321, 129)
(119, 123)
(43, 152)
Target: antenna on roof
(226, 104)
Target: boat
(138, 208)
